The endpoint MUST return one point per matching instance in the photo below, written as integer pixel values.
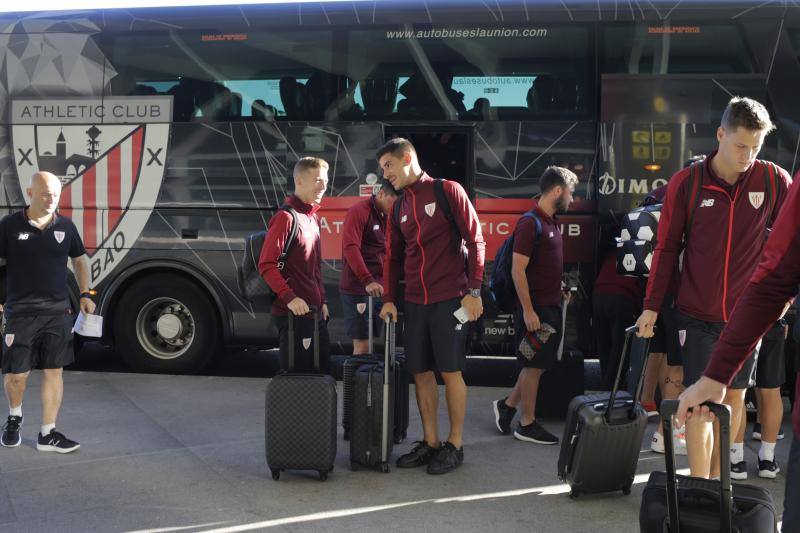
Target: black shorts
(547, 356)
(356, 316)
(303, 344)
(771, 368)
(668, 321)
(43, 341)
(697, 339)
(434, 339)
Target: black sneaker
(420, 455)
(757, 432)
(534, 432)
(503, 415)
(11, 437)
(445, 459)
(739, 470)
(768, 469)
(56, 442)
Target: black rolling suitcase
(672, 503)
(301, 417)
(602, 438)
(372, 430)
(349, 368)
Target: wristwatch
(86, 295)
(475, 293)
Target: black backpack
(501, 284)
(252, 286)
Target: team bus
(174, 130)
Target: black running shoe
(56, 442)
(768, 469)
(11, 437)
(420, 455)
(445, 459)
(739, 470)
(757, 432)
(534, 432)
(503, 416)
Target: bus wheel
(165, 324)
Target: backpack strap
(444, 205)
(292, 236)
(771, 187)
(695, 187)
(538, 222)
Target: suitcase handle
(667, 410)
(628, 336)
(370, 331)
(388, 366)
(315, 339)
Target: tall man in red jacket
(731, 202)
(298, 286)
(763, 301)
(363, 251)
(422, 244)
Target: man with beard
(537, 269)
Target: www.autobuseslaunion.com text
(466, 33)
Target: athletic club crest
(361, 307)
(682, 337)
(59, 235)
(430, 209)
(306, 343)
(109, 155)
(756, 199)
(9, 339)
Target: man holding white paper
(35, 242)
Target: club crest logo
(59, 235)
(9, 339)
(682, 337)
(306, 343)
(430, 209)
(361, 307)
(110, 156)
(756, 199)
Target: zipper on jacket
(731, 209)
(421, 249)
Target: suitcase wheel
(323, 476)
(354, 466)
(385, 468)
(574, 494)
(626, 490)
(276, 474)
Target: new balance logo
(23, 236)
(707, 203)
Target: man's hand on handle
(375, 289)
(705, 389)
(646, 323)
(298, 307)
(389, 309)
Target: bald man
(35, 242)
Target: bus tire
(165, 323)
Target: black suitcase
(672, 503)
(560, 384)
(301, 417)
(372, 430)
(602, 438)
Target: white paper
(88, 325)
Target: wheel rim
(165, 328)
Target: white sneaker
(678, 443)
(657, 443)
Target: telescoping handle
(388, 369)
(370, 327)
(722, 412)
(315, 316)
(629, 332)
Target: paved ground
(182, 453)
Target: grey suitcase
(301, 417)
(372, 430)
(602, 438)
(672, 503)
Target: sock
(737, 452)
(767, 451)
(15, 411)
(46, 428)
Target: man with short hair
(363, 252)
(35, 242)
(298, 287)
(537, 268)
(724, 212)
(424, 245)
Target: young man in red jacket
(723, 211)
(363, 252)
(764, 300)
(422, 245)
(537, 268)
(298, 286)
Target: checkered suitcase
(301, 417)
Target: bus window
(464, 73)
(675, 49)
(230, 77)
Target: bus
(174, 130)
